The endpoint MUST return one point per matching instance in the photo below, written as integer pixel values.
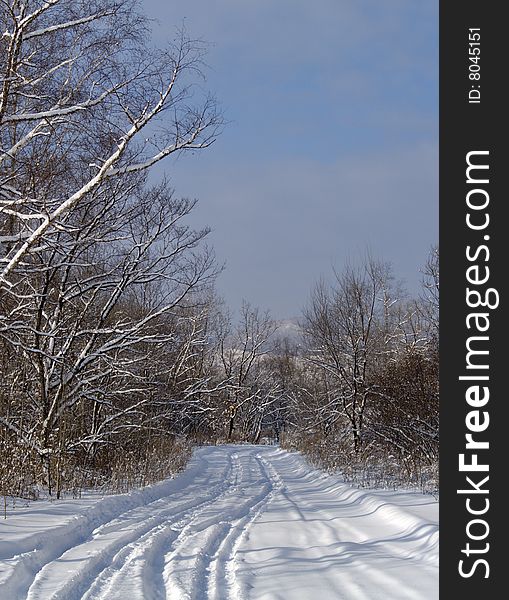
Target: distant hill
(289, 329)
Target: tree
(94, 264)
(350, 329)
(84, 100)
(406, 414)
(242, 351)
(95, 315)
(431, 291)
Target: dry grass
(374, 466)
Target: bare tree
(242, 349)
(429, 304)
(350, 329)
(93, 317)
(406, 414)
(94, 265)
(85, 100)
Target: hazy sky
(332, 141)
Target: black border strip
(469, 126)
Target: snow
(242, 522)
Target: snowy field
(242, 522)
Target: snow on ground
(242, 522)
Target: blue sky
(332, 142)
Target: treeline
(366, 392)
(115, 352)
(101, 280)
(106, 382)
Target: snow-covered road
(242, 522)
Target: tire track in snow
(241, 522)
(203, 536)
(120, 539)
(139, 570)
(207, 545)
(222, 583)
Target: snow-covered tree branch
(84, 99)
